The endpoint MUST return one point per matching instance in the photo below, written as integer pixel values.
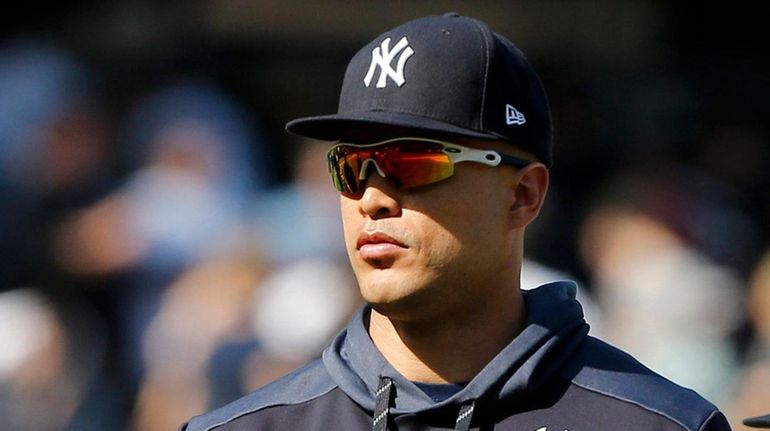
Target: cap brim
(335, 127)
(758, 421)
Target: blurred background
(166, 247)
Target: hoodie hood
(554, 329)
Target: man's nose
(381, 198)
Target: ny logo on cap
(382, 56)
(513, 116)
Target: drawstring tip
(464, 417)
(383, 394)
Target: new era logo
(382, 56)
(513, 116)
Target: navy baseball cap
(445, 74)
(758, 421)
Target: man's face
(430, 248)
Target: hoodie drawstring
(464, 417)
(380, 419)
(383, 394)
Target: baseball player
(442, 160)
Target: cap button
(452, 15)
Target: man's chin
(397, 301)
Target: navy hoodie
(551, 377)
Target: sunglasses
(408, 162)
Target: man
(445, 146)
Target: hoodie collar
(554, 328)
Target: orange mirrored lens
(407, 163)
(413, 170)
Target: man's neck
(452, 348)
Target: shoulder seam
(636, 403)
(302, 385)
(582, 376)
(267, 406)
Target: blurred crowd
(152, 268)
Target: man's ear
(529, 188)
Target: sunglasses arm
(487, 157)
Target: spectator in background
(752, 396)
(44, 368)
(54, 152)
(194, 163)
(294, 314)
(230, 324)
(54, 159)
(665, 296)
(203, 308)
(190, 151)
(300, 219)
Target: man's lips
(377, 239)
(379, 249)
